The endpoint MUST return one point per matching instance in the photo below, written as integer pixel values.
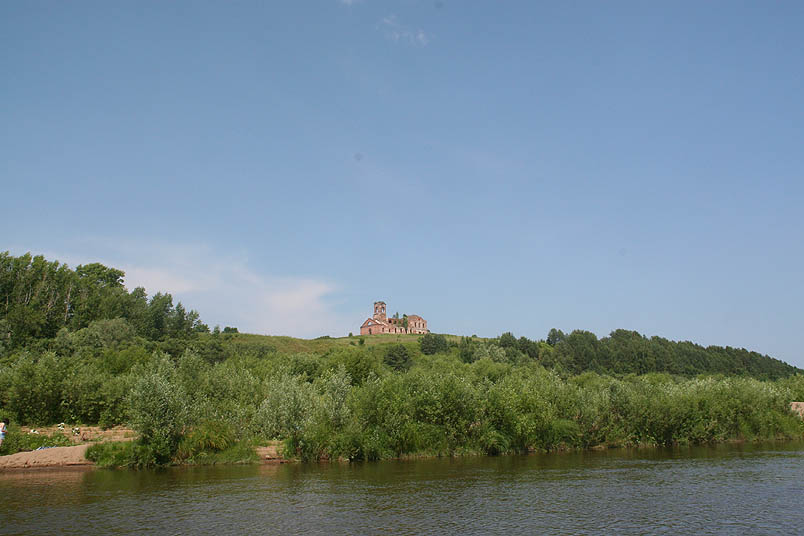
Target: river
(726, 489)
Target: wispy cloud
(397, 32)
(228, 290)
(349, 2)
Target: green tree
(507, 340)
(158, 315)
(397, 357)
(555, 336)
(579, 352)
(359, 362)
(466, 349)
(433, 344)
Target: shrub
(206, 437)
(334, 388)
(112, 454)
(490, 351)
(103, 334)
(159, 410)
(360, 363)
(287, 408)
(307, 365)
(433, 344)
(397, 357)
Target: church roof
(374, 322)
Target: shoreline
(73, 457)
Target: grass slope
(290, 345)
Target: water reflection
(709, 490)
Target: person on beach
(3, 428)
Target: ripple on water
(723, 490)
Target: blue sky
(490, 166)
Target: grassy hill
(289, 345)
(622, 352)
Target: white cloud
(156, 279)
(349, 2)
(401, 33)
(227, 290)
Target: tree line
(622, 352)
(78, 347)
(40, 297)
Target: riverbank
(75, 456)
(47, 457)
(65, 446)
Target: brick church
(380, 323)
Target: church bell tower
(379, 310)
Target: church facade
(380, 323)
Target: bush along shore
(350, 404)
(77, 347)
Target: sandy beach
(65, 456)
(50, 457)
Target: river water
(727, 489)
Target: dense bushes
(452, 412)
(77, 347)
(347, 403)
(48, 388)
